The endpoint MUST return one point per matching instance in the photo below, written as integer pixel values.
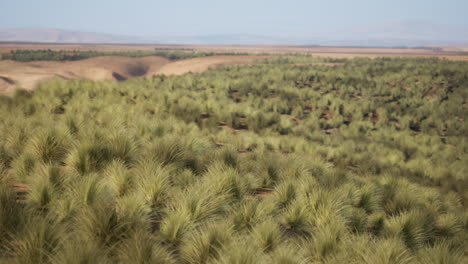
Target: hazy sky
(183, 17)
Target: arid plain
(28, 74)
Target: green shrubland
(278, 162)
(73, 55)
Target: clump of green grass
(153, 183)
(42, 194)
(385, 252)
(358, 221)
(133, 213)
(175, 225)
(227, 181)
(183, 178)
(326, 241)
(397, 196)
(49, 146)
(205, 244)
(408, 227)
(168, 151)
(16, 142)
(271, 169)
(249, 214)
(119, 179)
(229, 157)
(41, 239)
(376, 223)
(239, 252)
(24, 165)
(123, 148)
(142, 247)
(369, 199)
(81, 251)
(286, 254)
(440, 253)
(268, 236)
(297, 219)
(11, 215)
(88, 190)
(89, 157)
(109, 224)
(285, 194)
(201, 206)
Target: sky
(208, 17)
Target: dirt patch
(262, 192)
(27, 75)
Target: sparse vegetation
(284, 161)
(67, 55)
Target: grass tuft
(175, 226)
(389, 251)
(49, 146)
(205, 244)
(143, 248)
(268, 236)
(41, 239)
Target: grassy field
(295, 159)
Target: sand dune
(27, 75)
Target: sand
(27, 75)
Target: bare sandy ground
(27, 75)
(202, 64)
(455, 49)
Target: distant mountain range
(47, 35)
(399, 34)
(406, 33)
